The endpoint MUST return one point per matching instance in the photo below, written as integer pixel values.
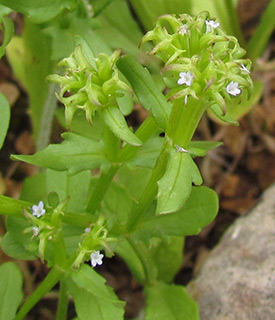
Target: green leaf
(145, 89)
(198, 211)
(8, 34)
(118, 125)
(118, 204)
(4, 118)
(18, 244)
(129, 255)
(30, 60)
(80, 125)
(38, 10)
(149, 11)
(163, 250)
(118, 28)
(217, 111)
(169, 302)
(75, 154)
(66, 33)
(148, 153)
(239, 110)
(134, 179)
(91, 296)
(34, 188)
(200, 148)
(73, 187)
(9, 206)
(259, 40)
(11, 294)
(175, 186)
(4, 11)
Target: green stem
(184, 121)
(62, 303)
(101, 188)
(144, 132)
(150, 190)
(49, 282)
(47, 118)
(111, 142)
(12, 207)
(142, 253)
(182, 124)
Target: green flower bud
(201, 61)
(89, 83)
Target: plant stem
(62, 303)
(184, 121)
(101, 188)
(144, 132)
(47, 118)
(48, 283)
(13, 207)
(182, 124)
(142, 253)
(150, 190)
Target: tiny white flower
(50, 237)
(96, 258)
(35, 231)
(39, 210)
(233, 88)
(211, 24)
(243, 67)
(186, 78)
(183, 29)
(87, 230)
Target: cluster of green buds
(89, 83)
(95, 237)
(92, 84)
(201, 61)
(45, 224)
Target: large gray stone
(237, 280)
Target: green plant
(144, 193)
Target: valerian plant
(115, 191)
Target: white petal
(233, 88)
(96, 258)
(243, 67)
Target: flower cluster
(201, 61)
(94, 237)
(89, 83)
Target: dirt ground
(239, 171)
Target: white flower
(186, 78)
(243, 67)
(183, 29)
(211, 24)
(233, 88)
(87, 230)
(39, 210)
(96, 258)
